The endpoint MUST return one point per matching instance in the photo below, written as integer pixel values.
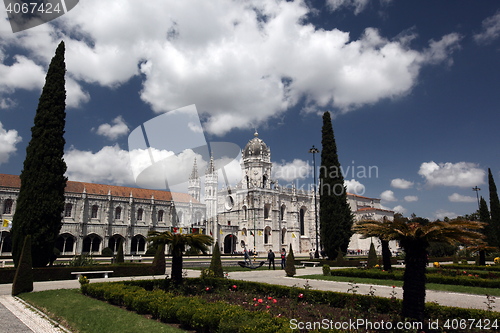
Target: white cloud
(113, 132)
(455, 197)
(400, 209)
(388, 196)
(462, 174)
(297, 169)
(8, 141)
(358, 5)
(354, 187)
(441, 214)
(401, 183)
(237, 67)
(411, 198)
(491, 29)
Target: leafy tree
(178, 243)
(494, 211)
(216, 263)
(23, 279)
(41, 197)
(335, 215)
(414, 238)
(290, 263)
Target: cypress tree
(159, 263)
(372, 257)
(120, 258)
(216, 263)
(23, 279)
(494, 210)
(290, 263)
(41, 197)
(335, 215)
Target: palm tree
(178, 243)
(414, 238)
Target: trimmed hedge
(461, 280)
(55, 273)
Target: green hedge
(431, 277)
(56, 273)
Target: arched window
(282, 212)
(267, 235)
(118, 213)
(140, 212)
(245, 213)
(68, 208)
(179, 217)
(301, 221)
(91, 244)
(138, 244)
(95, 209)
(264, 181)
(160, 216)
(267, 208)
(7, 207)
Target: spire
(211, 168)
(194, 172)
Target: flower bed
(221, 305)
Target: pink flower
(275, 301)
(269, 298)
(254, 299)
(207, 289)
(234, 286)
(267, 307)
(259, 300)
(279, 315)
(301, 295)
(255, 304)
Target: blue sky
(413, 87)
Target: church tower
(211, 187)
(194, 187)
(256, 164)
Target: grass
(80, 313)
(398, 283)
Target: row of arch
(92, 243)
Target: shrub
(290, 263)
(120, 258)
(159, 263)
(326, 270)
(107, 252)
(340, 258)
(372, 257)
(82, 260)
(216, 263)
(23, 280)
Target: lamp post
(477, 189)
(314, 151)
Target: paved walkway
(18, 317)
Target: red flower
(269, 298)
(207, 289)
(275, 301)
(259, 300)
(301, 295)
(267, 307)
(234, 286)
(254, 299)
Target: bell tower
(256, 164)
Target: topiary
(216, 263)
(107, 252)
(372, 257)
(340, 258)
(23, 280)
(159, 264)
(290, 263)
(120, 258)
(327, 271)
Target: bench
(132, 258)
(363, 263)
(78, 274)
(310, 263)
(401, 262)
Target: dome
(255, 147)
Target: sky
(412, 86)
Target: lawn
(80, 313)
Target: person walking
(283, 258)
(270, 258)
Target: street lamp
(314, 151)
(477, 189)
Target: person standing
(270, 258)
(283, 258)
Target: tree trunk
(386, 255)
(177, 265)
(414, 280)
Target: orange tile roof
(360, 196)
(364, 209)
(101, 189)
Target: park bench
(363, 263)
(401, 262)
(78, 274)
(132, 258)
(310, 263)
